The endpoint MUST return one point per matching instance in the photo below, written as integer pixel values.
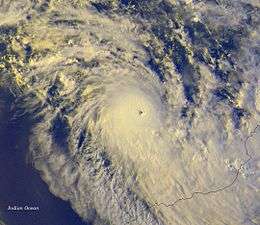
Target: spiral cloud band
(143, 113)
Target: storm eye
(140, 112)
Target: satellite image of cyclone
(129, 112)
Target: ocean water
(21, 184)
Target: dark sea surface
(21, 185)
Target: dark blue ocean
(20, 184)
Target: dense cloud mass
(145, 112)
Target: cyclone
(144, 112)
(134, 115)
